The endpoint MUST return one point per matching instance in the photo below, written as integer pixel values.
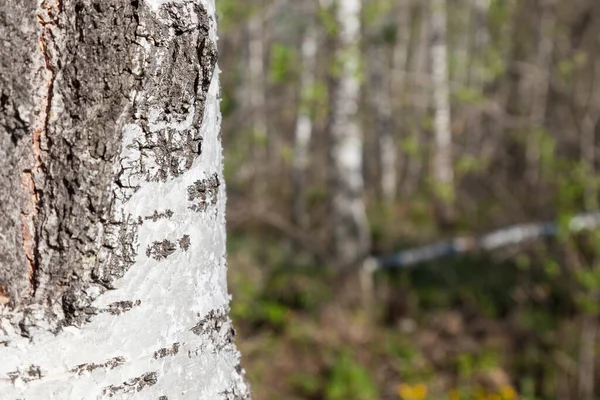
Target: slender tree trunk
(480, 40)
(257, 99)
(459, 41)
(382, 103)
(419, 94)
(304, 125)
(350, 226)
(112, 230)
(443, 174)
(401, 50)
(587, 357)
(588, 125)
(540, 87)
(479, 43)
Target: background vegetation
(524, 94)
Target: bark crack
(48, 11)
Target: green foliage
(468, 164)
(547, 146)
(349, 380)
(228, 104)
(375, 9)
(307, 384)
(328, 21)
(444, 192)
(568, 66)
(538, 319)
(231, 12)
(410, 146)
(466, 95)
(468, 364)
(283, 58)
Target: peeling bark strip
(205, 191)
(133, 385)
(109, 113)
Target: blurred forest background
(354, 131)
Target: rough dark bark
(85, 70)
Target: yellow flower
(417, 392)
(405, 391)
(508, 393)
(420, 391)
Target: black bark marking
(121, 307)
(156, 216)
(161, 250)
(216, 329)
(185, 242)
(31, 373)
(167, 351)
(213, 321)
(110, 364)
(133, 385)
(204, 193)
(236, 392)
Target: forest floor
(472, 328)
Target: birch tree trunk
(540, 88)
(112, 230)
(257, 98)
(480, 42)
(382, 103)
(350, 225)
(304, 124)
(401, 50)
(419, 94)
(443, 174)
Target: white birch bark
(160, 328)
(350, 225)
(443, 173)
(304, 126)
